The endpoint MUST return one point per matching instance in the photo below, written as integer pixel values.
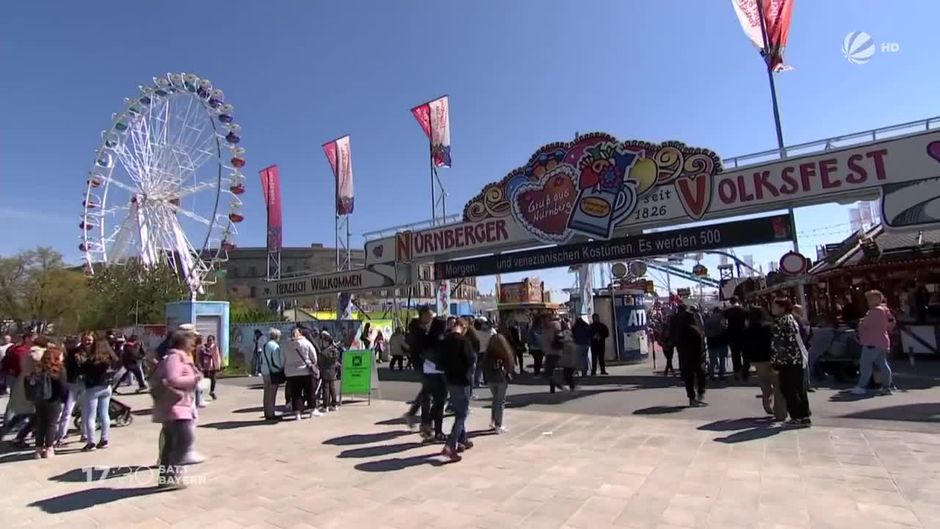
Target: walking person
(301, 369)
(97, 372)
(737, 320)
(381, 347)
(12, 367)
(519, 345)
(786, 355)
(328, 359)
(874, 334)
(716, 327)
(756, 342)
(570, 356)
(6, 342)
(535, 343)
(434, 383)
(173, 389)
(581, 333)
(75, 355)
(132, 356)
(210, 363)
(272, 373)
(398, 348)
(690, 344)
(665, 342)
(366, 336)
(552, 346)
(456, 360)
(49, 390)
(417, 340)
(498, 366)
(255, 360)
(22, 410)
(599, 335)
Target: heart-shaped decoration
(695, 193)
(378, 250)
(933, 149)
(544, 206)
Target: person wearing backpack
(22, 409)
(47, 388)
(97, 372)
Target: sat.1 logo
(859, 47)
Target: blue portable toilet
(211, 318)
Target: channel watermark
(859, 47)
(155, 475)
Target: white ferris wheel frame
(161, 148)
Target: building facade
(246, 270)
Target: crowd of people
(777, 343)
(454, 357)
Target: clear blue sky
(519, 74)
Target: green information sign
(357, 373)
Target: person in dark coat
(456, 359)
(689, 340)
(599, 335)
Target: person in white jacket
(300, 368)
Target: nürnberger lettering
(462, 236)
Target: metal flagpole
(773, 96)
(801, 295)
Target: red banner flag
(776, 18)
(271, 185)
(339, 155)
(434, 118)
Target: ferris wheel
(165, 183)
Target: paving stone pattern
(358, 469)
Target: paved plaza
(553, 469)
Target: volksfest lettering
(463, 236)
(808, 177)
(740, 233)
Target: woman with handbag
(300, 368)
(272, 372)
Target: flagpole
(773, 97)
(433, 175)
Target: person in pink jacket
(174, 382)
(874, 334)
(210, 362)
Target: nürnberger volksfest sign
(597, 188)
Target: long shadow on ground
(366, 438)
(745, 429)
(83, 499)
(399, 463)
(233, 425)
(923, 412)
(380, 450)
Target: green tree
(133, 293)
(37, 287)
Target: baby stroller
(840, 357)
(119, 413)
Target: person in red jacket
(11, 366)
